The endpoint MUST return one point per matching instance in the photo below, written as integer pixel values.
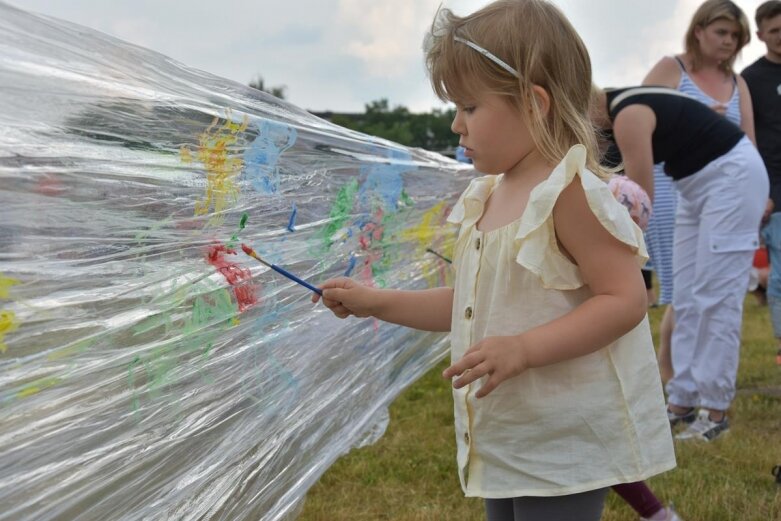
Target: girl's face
(493, 133)
(719, 40)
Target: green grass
(410, 474)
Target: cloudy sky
(340, 54)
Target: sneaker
(687, 417)
(672, 515)
(704, 429)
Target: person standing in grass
(555, 383)
(717, 32)
(764, 81)
(722, 188)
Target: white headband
(488, 55)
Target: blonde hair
(537, 40)
(709, 12)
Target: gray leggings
(586, 506)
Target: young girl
(557, 395)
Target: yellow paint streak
(215, 152)
(8, 323)
(429, 227)
(5, 285)
(37, 386)
(66, 352)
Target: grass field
(410, 475)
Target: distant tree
(260, 84)
(428, 130)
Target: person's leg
(663, 217)
(665, 344)
(648, 278)
(638, 496)
(499, 509)
(727, 238)
(682, 388)
(586, 506)
(772, 235)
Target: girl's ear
(542, 99)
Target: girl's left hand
(500, 357)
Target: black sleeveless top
(688, 134)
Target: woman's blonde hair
(534, 38)
(709, 12)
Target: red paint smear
(49, 185)
(235, 275)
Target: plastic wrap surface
(148, 368)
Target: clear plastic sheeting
(148, 368)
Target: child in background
(555, 383)
(638, 495)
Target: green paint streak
(131, 383)
(340, 211)
(406, 200)
(235, 237)
(217, 308)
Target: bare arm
(618, 304)
(428, 310)
(633, 129)
(665, 73)
(746, 110)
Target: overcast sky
(341, 54)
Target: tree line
(430, 130)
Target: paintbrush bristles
(249, 251)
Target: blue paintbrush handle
(296, 279)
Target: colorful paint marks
(217, 152)
(262, 156)
(384, 178)
(235, 237)
(6, 283)
(291, 223)
(181, 347)
(8, 320)
(239, 278)
(340, 213)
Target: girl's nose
(458, 125)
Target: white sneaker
(704, 429)
(672, 515)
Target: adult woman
(722, 186)
(716, 34)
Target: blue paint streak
(351, 266)
(261, 158)
(385, 179)
(291, 225)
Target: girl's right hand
(345, 297)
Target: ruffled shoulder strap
(536, 237)
(470, 205)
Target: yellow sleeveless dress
(579, 425)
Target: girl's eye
(469, 109)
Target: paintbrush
(249, 251)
